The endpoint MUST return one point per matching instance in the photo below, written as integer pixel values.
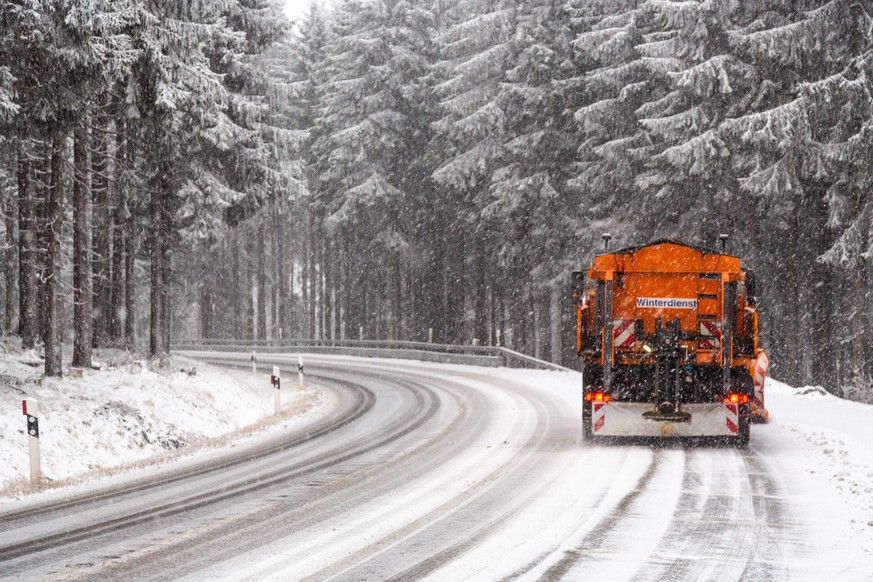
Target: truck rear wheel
(744, 432)
(587, 433)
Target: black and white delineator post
(275, 381)
(30, 408)
(254, 364)
(300, 372)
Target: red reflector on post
(24, 407)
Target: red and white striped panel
(732, 416)
(761, 366)
(710, 335)
(598, 416)
(623, 333)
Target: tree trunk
(282, 274)
(260, 252)
(54, 226)
(555, 318)
(306, 282)
(454, 285)
(116, 268)
(858, 326)
(166, 276)
(101, 234)
(129, 281)
(235, 294)
(396, 296)
(11, 265)
(27, 319)
(275, 280)
(42, 235)
(128, 226)
(479, 291)
(312, 284)
(156, 315)
(82, 288)
(206, 331)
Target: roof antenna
(723, 238)
(606, 237)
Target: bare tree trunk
(260, 252)
(129, 281)
(555, 318)
(329, 289)
(251, 290)
(858, 326)
(54, 227)
(128, 225)
(275, 280)
(166, 279)
(101, 234)
(156, 315)
(306, 283)
(11, 263)
(479, 292)
(27, 318)
(206, 331)
(117, 262)
(282, 274)
(396, 298)
(82, 288)
(323, 299)
(236, 295)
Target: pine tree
(476, 50)
(808, 106)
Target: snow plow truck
(668, 336)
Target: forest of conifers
(390, 169)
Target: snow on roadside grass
(128, 413)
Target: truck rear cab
(668, 335)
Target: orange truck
(668, 333)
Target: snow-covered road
(424, 471)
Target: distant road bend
(426, 472)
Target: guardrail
(491, 356)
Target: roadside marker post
(275, 381)
(30, 408)
(300, 372)
(254, 365)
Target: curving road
(429, 472)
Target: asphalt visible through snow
(430, 472)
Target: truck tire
(744, 432)
(587, 433)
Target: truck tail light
(737, 399)
(597, 397)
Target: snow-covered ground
(823, 447)
(130, 413)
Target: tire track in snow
(363, 401)
(710, 534)
(769, 555)
(595, 538)
(308, 503)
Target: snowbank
(128, 413)
(823, 447)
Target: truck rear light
(737, 399)
(597, 397)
